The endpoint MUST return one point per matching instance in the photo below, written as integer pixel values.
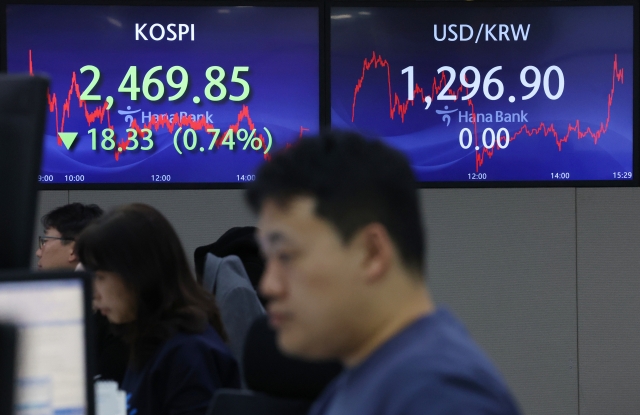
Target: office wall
(505, 261)
(544, 279)
(608, 306)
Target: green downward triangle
(68, 139)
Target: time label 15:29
(622, 175)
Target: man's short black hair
(71, 219)
(354, 182)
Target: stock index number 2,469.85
(177, 78)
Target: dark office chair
(268, 370)
(279, 385)
(245, 402)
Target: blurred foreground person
(143, 281)
(340, 227)
(56, 251)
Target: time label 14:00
(176, 78)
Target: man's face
(56, 253)
(311, 280)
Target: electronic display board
(166, 94)
(492, 93)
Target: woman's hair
(140, 245)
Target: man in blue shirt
(340, 227)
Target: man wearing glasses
(56, 251)
(61, 226)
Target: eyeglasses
(43, 239)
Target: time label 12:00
(176, 78)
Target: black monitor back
(8, 341)
(23, 101)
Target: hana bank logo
(128, 114)
(446, 117)
(148, 117)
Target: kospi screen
(492, 93)
(143, 94)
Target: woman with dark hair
(143, 281)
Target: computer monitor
(22, 116)
(54, 360)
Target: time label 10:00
(48, 178)
(176, 77)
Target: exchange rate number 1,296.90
(490, 81)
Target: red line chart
(171, 122)
(52, 99)
(399, 107)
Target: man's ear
(72, 252)
(378, 251)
